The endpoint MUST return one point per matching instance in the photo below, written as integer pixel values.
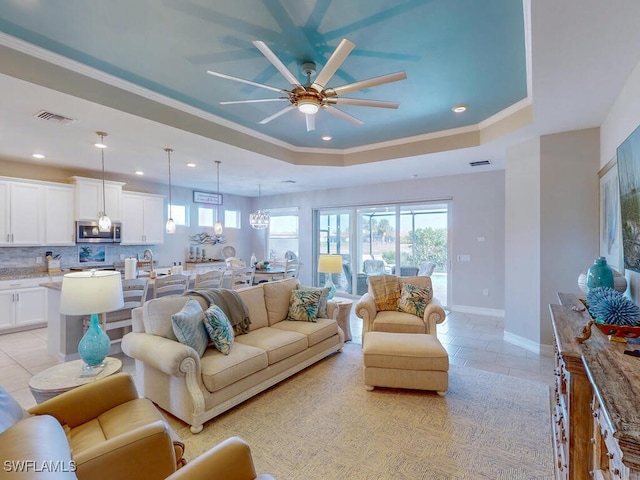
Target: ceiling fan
(312, 96)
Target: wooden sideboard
(596, 412)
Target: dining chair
(292, 269)
(235, 263)
(134, 293)
(212, 279)
(170, 285)
(241, 277)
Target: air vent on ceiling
(289, 181)
(480, 163)
(54, 117)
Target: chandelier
(259, 219)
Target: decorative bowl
(623, 331)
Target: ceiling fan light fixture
(308, 106)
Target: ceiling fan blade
(248, 82)
(275, 61)
(371, 82)
(338, 56)
(362, 102)
(345, 116)
(277, 114)
(311, 122)
(259, 100)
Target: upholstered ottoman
(405, 360)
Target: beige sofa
(196, 389)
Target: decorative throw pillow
(385, 290)
(324, 297)
(219, 328)
(303, 305)
(414, 299)
(188, 326)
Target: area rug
(322, 424)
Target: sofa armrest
(159, 352)
(366, 310)
(150, 444)
(95, 399)
(433, 314)
(332, 310)
(229, 460)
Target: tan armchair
(112, 433)
(229, 460)
(400, 322)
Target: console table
(596, 417)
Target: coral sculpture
(611, 307)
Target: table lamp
(330, 264)
(90, 293)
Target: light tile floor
(471, 340)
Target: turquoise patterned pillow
(219, 328)
(188, 327)
(324, 297)
(414, 299)
(304, 305)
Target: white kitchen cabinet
(58, 222)
(142, 219)
(22, 304)
(21, 213)
(89, 201)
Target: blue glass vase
(94, 345)
(599, 274)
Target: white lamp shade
(95, 291)
(330, 264)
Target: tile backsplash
(25, 257)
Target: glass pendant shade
(170, 227)
(218, 229)
(104, 223)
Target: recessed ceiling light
(139, 172)
(191, 165)
(326, 138)
(414, 175)
(37, 155)
(459, 108)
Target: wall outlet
(463, 258)
(38, 259)
(485, 292)
(122, 256)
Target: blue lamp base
(93, 348)
(330, 286)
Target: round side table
(67, 376)
(344, 315)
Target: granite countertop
(17, 273)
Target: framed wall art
(628, 156)
(610, 222)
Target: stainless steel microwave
(88, 232)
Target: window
(205, 217)
(232, 219)
(178, 213)
(283, 234)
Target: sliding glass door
(400, 239)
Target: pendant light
(170, 227)
(218, 228)
(104, 222)
(259, 219)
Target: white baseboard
(488, 312)
(528, 344)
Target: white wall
(477, 210)
(551, 227)
(621, 120)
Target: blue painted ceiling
(453, 51)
